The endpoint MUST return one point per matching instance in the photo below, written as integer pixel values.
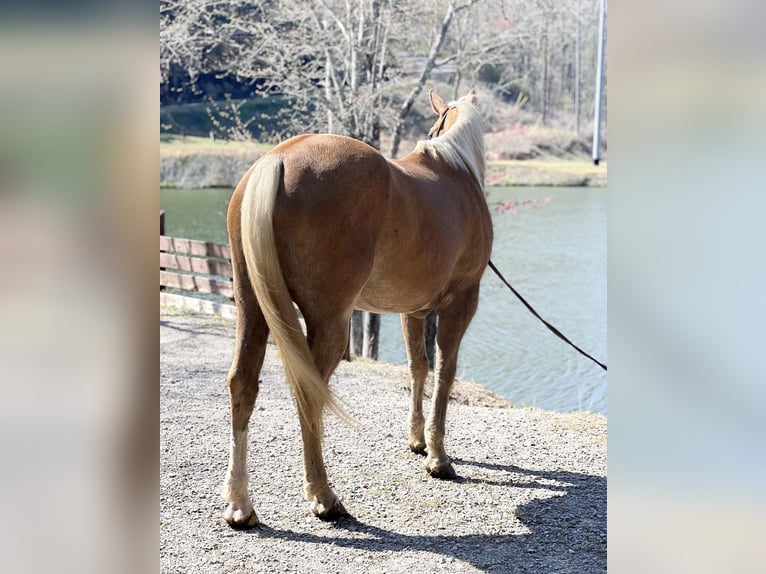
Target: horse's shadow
(567, 532)
(215, 330)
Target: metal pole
(599, 84)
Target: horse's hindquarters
(327, 220)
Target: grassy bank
(196, 162)
(548, 172)
(172, 145)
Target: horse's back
(437, 238)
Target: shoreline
(468, 393)
(196, 163)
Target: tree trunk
(328, 93)
(405, 108)
(577, 78)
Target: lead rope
(553, 329)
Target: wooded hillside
(356, 67)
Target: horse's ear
(471, 97)
(438, 105)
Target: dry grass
(177, 146)
(552, 172)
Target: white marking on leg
(235, 485)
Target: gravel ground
(531, 495)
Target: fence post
(355, 334)
(162, 232)
(347, 352)
(430, 336)
(370, 336)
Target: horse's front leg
(453, 321)
(417, 361)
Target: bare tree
(433, 52)
(333, 59)
(344, 66)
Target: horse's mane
(462, 145)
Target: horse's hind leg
(453, 321)
(327, 340)
(413, 329)
(249, 351)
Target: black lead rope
(553, 329)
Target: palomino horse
(328, 223)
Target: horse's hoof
(335, 511)
(418, 447)
(240, 517)
(442, 470)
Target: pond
(550, 243)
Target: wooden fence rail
(196, 267)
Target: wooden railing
(190, 267)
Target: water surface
(551, 244)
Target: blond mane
(462, 145)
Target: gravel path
(531, 497)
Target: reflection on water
(551, 244)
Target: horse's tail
(258, 244)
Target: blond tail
(265, 272)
